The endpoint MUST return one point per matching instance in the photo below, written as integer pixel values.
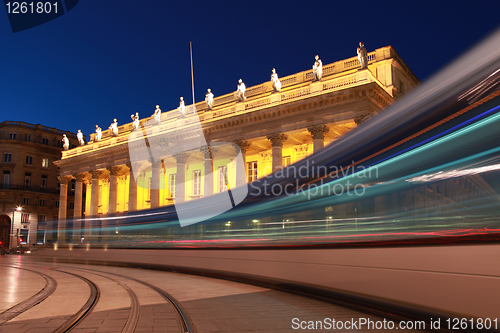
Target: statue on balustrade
(79, 136)
(362, 55)
(317, 69)
(182, 107)
(65, 142)
(98, 133)
(240, 91)
(135, 120)
(114, 128)
(276, 82)
(157, 115)
(209, 98)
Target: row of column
(277, 139)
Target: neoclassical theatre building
(272, 128)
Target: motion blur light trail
(426, 168)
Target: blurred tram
(424, 170)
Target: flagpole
(192, 76)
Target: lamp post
(18, 209)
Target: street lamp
(18, 209)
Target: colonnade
(111, 173)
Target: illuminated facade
(29, 181)
(272, 129)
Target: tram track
(46, 291)
(368, 305)
(134, 314)
(134, 302)
(86, 309)
(49, 288)
(184, 320)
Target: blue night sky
(111, 58)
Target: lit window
(286, 161)
(23, 235)
(25, 218)
(171, 184)
(7, 157)
(252, 171)
(45, 162)
(150, 181)
(223, 178)
(197, 182)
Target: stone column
(94, 204)
(318, 133)
(113, 189)
(241, 168)
(132, 191)
(94, 196)
(277, 140)
(156, 183)
(180, 187)
(77, 212)
(63, 201)
(209, 169)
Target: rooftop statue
(362, 55)
(65, 142)
(182, 107)
(98, 133)
(135, 120)
(240, 91)
(276, 82)
(317, 69)
(114, 128)
(209, 98)
(157, 115)
(79, 136)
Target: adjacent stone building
(29, 186)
